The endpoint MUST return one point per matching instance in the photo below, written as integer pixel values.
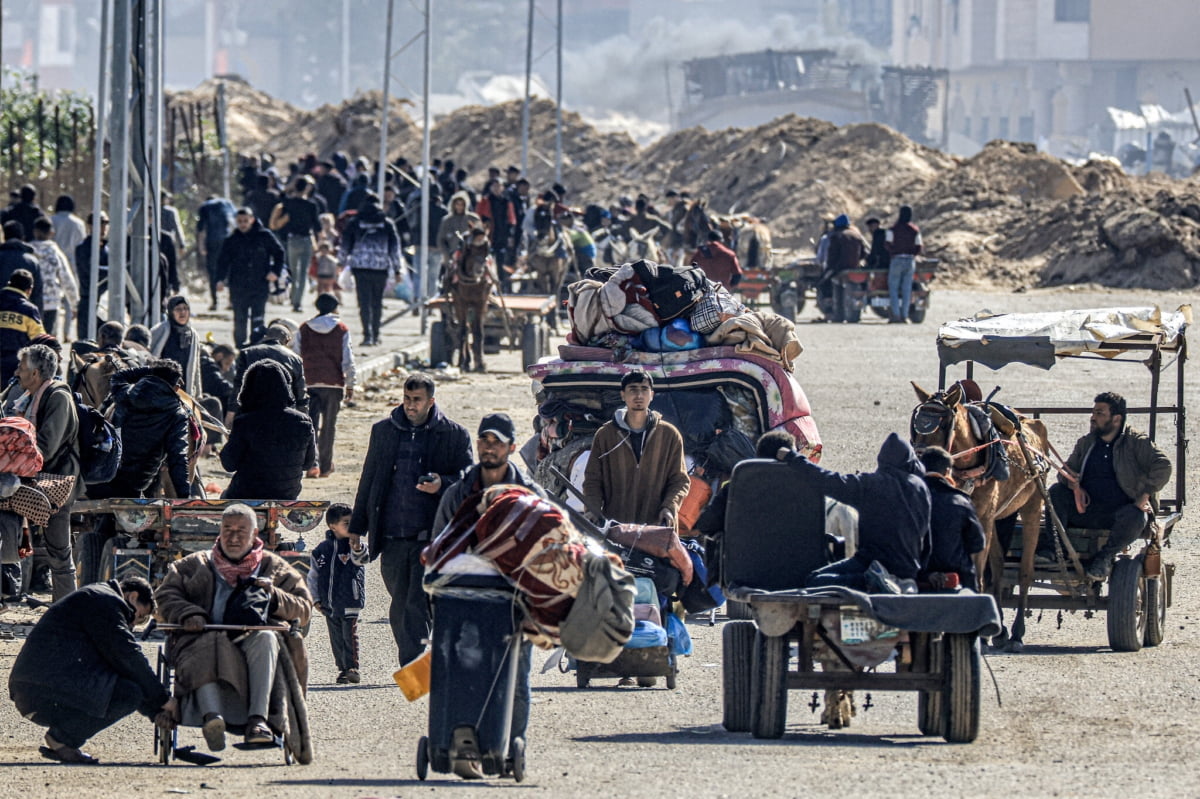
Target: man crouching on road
(82, 670)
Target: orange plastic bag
(698, 495)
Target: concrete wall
(1148, 30)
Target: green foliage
(28, 143)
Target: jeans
(408, 614)
(70, 726)
(1124, 523)
(299, 254)
(368, 285)
(261, 649)
(248, 314)
(57, 537)
(343, 637)
(900, 278)
(850, 573)
(323, 406)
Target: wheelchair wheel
(164, 740)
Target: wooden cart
(514, 321)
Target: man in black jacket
(16, 254)
(956, 537)
(274, 347)
(412, 457)
(251, 260)
(81, 669)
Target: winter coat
(79, 649)
(720, 264)
(324, 346)
(370, 242)
(272, 351)
(271, 444)
(337, 580)
(247, 258)
(626, 489)
(447, 452)
(454, 224)
(469, 483)
(892, 502)
(16, 255)
(1140, 466)
(192, 377)
(846, 247)
(57, 425)
(202, 658)
(955, 533)
(20, 321)
(154, 430)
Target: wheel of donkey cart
(930, 716)
(961, 698)
(423, 758)
(916, 315)
(439, 344)
(531, 344)
(517, 767)
(768, 688)
(164, 740)
(95, 559)
(737, 651)
(1127, 605)
(1156, 610)
(850, 311)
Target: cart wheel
(929, 713)
(95, 559)
(738, 610)
(1127, 605)
(581, 679)
(961, 697)
(671, 677)
(423, 758)
(439, 344)
(850, 311)
(1156, 611)
(518, 759)
(544, 340)
(737, 652)
(530, 345)
(768, 689)
(164, 744)
(916, 315)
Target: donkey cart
(833, 639)
(1136, 595)
(514, 321)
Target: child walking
(338, 584)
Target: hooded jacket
(247, 258)
(446, 451)
(954, 531)
(336, 577)
(454, 224)
(324, 346)
(289, 361)
(154, 430)
(20, 321)
(271, 444)
(79, 649)
(16, 255)
(630, 490)
(904, 238)
(370, 241)
(892, 503)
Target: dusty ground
(1077, 719)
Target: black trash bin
(473, 676)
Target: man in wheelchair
(1111, 481)
(240, 677)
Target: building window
(967, 127)
(1072, 10)
(985, 132)
(1002, 128)
(1025, 128)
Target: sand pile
(252, 117)
(352, 127)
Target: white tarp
(1056, 333)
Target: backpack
(672, 289)
(99, 444)
(19, 454)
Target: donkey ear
(922, 394)
(955, 394)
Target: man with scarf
(228, 585)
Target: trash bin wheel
(737, 651)
(961, 698)
(423, 758)
(518, 759)
(769, 686)
(1156, 610)
(1127, 605)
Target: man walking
(251, 260)
(903, 245)
(214, 223)
(298, 232)
(636, 471)
(412, 457)
(324, 346)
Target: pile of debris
(1008, 216)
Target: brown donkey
(469, 285)
(943, 420)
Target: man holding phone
(412, 457)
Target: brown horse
(943, 420)
(469, 286)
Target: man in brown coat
(636, 472)
(229, 677)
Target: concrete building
(1046, 71)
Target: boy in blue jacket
(338, 584)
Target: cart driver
(1111, 481)
(231, 584)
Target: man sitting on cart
(1111, 481)
(893, 514)
(224, 675)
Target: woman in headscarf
(371, 247)
(176, 340)
(271, 444)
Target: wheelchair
(291, 742)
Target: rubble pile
(1009, 215)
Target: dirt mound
(352, 127)
(253, 118)
(478, 137)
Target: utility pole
(98, 166)
(387, 87)
(525, 106)
(426, 133)
(346, 49)
(119, 161)
(558, 148)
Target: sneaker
(214, 732)
(880, 581)
(353, 677)
(342, 679)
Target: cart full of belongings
(509, 567)
(723, 376)
(28, 497)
